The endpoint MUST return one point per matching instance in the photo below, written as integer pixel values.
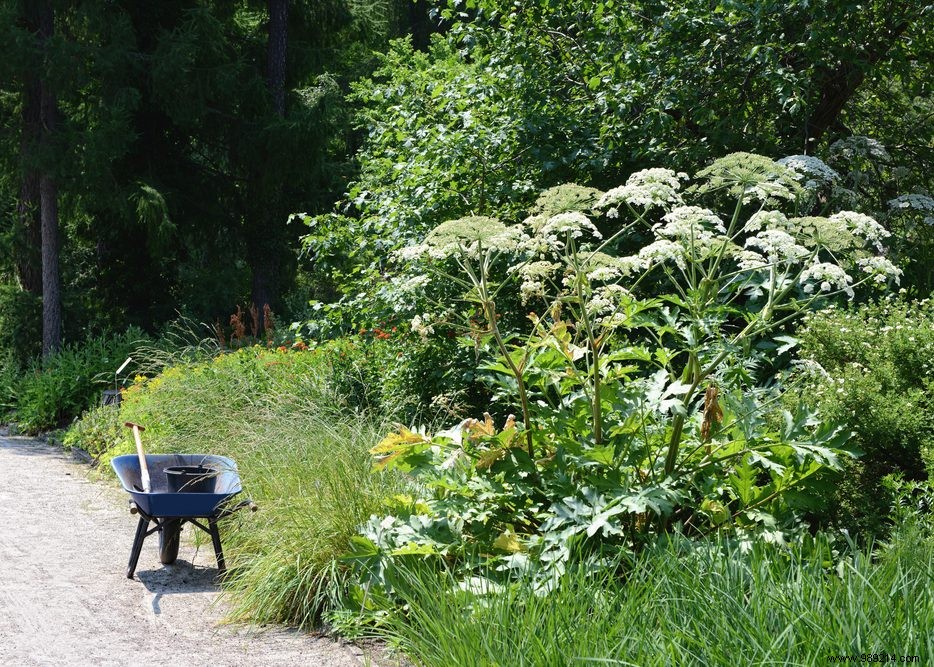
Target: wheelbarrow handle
(143, 468)
(243, 503)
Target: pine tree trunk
(48, 202)
(51, 281)
(28, 237)
(278, 34)
(265, 241)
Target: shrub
(9, 380)
(876, 373)
(59, 388)
(401, 377)
(99, 431)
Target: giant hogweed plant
(640, 405)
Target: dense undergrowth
(52, 392)
(300, 432)
(876, 374)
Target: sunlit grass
(302, 457)
(710, 608)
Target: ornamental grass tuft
(704, 607)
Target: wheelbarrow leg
(216, 539)
(137, 546)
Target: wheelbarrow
(171, 490)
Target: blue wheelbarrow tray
(169, 510)
(163, 503)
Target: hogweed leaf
(396, 445)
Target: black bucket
(191, 479)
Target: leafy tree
(672, 80)
(187, 132)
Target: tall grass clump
(302, 456)
(715, 606)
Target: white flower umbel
(808, 168)
(540, 270)
(767, 220)
(421, 326)
(778, 246)
(601, 267)
(411, 284)
(690, 222)
(750, 260)
(862, 226)
(537, 245)
(573, 223)
(880, 268)
(510, 240)
(605, 300)
(603, 274)
(648, 188)
(662, 251)
(412, 252)
(549, 236)
(766, 192)
(859, 147)
(530, 289)
(464, 236)
(914, 202)
(534, 275)
(751, 177)
(829, 276)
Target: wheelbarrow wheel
(169, 538)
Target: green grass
(706, 608)
(302, 456)
(311, 476)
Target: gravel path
(65, 598)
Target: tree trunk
(278, 34)
(838, 85)
(28, 232)
(264, 240)
(419, 26)
(51, 281)
(29, 235)
(48, 201)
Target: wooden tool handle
(143, 468)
